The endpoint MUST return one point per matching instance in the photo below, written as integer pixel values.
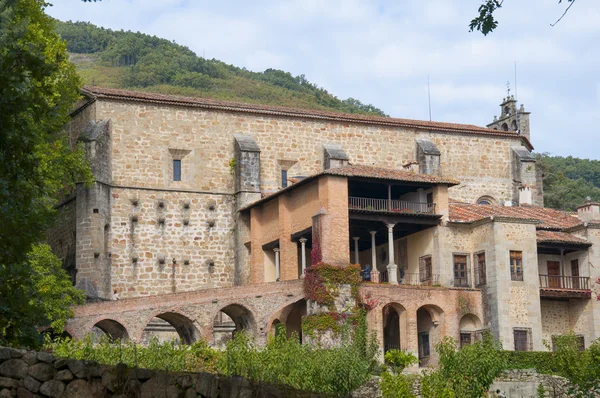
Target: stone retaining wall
(26, 374)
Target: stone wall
(27, 374)
(526, 383)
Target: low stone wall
(26, 374)
(526, 383)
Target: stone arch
(394, 327)
(486, 200)
(513, 125)
(171, 326)
(290, 315)
(275, 325)
(504, 127)
(54, 335)
(469, 329)
(114, 329)
(430, 326)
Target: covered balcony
(562, 264)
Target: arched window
(504, 126)
(513, 125)
(486, 200)
(506, 111)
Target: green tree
(38, 87)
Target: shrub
(396, 386)
(398, 359)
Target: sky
(382, 52)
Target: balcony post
(356, 259)
(303, 254)
(392, 268)
(389, 204)
(373, 251)
(276, 250)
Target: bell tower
(511, 118)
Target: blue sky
(381, 52)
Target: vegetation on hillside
(138, 61)
(568, 181)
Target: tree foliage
(486, 23)
(38, 86)
(151, 63)
(568, 181)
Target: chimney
(525, 197)
(589, 211)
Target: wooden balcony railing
(408, 279)
(390, 206)
(564, 282)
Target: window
(486, 200)
(461, 271)
(176, 169)
(575, 274)
(425, 271)
(522, 337)
(284, 179)
(424, 350)
(465, 339)
(516, 266)
(480, 269)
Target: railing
(565, 282)
(390, 206)
(408, 279)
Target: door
(554, 274)
(575, 273)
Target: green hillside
(141, 62)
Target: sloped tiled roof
(362, 171)
(127, 95)
(548, 218)
(381, 173)
(560, 237)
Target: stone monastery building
(204, 215)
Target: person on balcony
(366, 273)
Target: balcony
(390, 206)
(564, 286)
(409, 279)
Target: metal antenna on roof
(429, 97)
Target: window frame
(528, 340)
(480, 270)
(284, 178)
(426, 264)
(422, 346)
(177, 170)
(516, 268)
(466, 280)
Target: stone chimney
(334, 156)
(589, 211)
(525, 197)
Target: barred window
(461, 271)
(465, 339)
(424, 350)
(480, 272)
(425, 269)
(516, 266)
(522, 337)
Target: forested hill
(568, 181)
(138, 61)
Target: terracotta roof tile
(548, 218)
(559, 237)
(388, 174)
(361, 172)
(127, 95)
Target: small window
(425, 269)
(466, 338)
(284, 179)
(176, 170)
(430, 198)
(480, 272)
(461, 271)
(516, 266)
(504, 127)
(424, 350)
(522, 337)
(486, 200)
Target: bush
(399, 360)
(396, 386)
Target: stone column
(356, 259)
(392, 268)
(303, 254)
(276, 250)
(373, 251)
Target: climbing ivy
(321, 282)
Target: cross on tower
(508, 89)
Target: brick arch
(112, 328)
(243, 315)
(402, 327)
(281, 312)
(185, 325)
